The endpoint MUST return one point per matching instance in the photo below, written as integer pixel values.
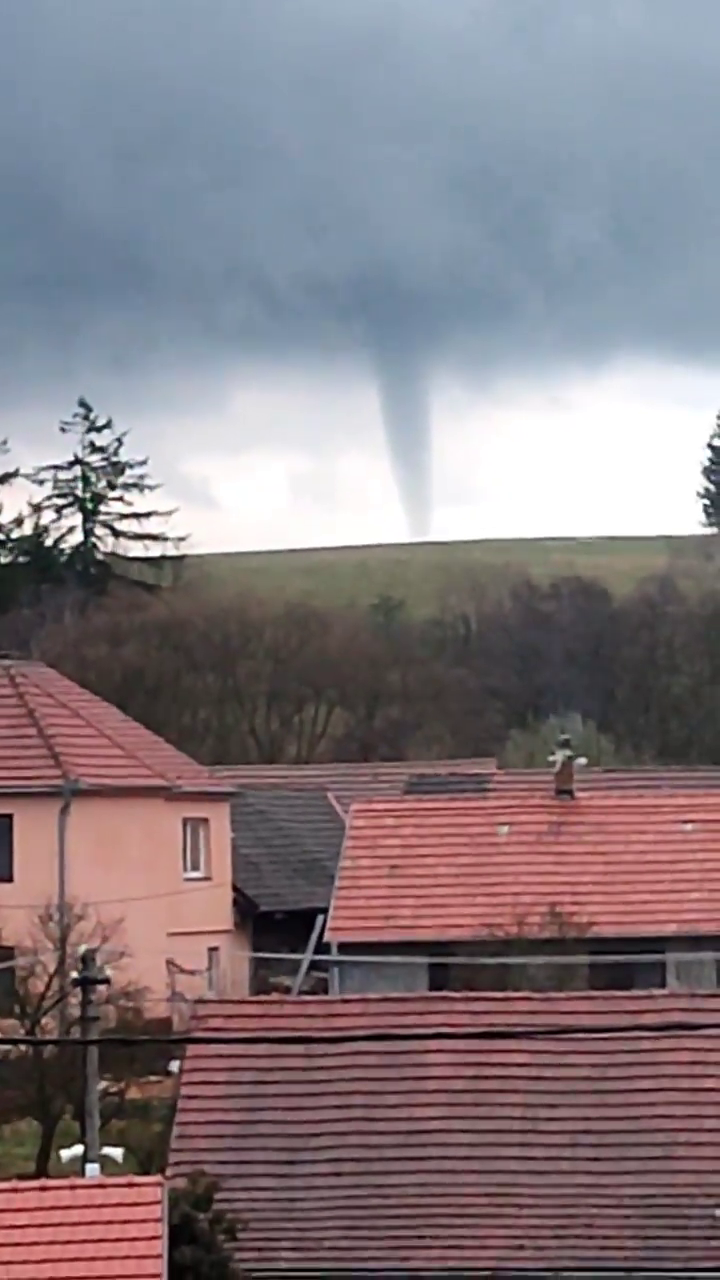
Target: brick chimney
(564, 761)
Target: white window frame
(196, 830)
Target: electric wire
(675, 1027)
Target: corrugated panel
(391, 977)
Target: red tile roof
(440, 1150)
(450, 869)
(53, 732)
(647, 778)
(83, 1229)
(348, 781)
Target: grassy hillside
(428, 574)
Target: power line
(580, 957)
(191, 886)
(592, 952)
(678, 1027)
(530, 957)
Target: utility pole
(88, 979)
(68, 791)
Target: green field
(433, 573)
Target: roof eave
(246, 907)
(78, 787)
(209, 793)
(291, 909)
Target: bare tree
(395, 691)
(548, 948)
(533, 952)
(283, 668)
(46, 1080)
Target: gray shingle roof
(286, 846)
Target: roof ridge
(56, 1184)
(525, 799)
(108, 735)
(485, 763)
(337, 807)
(23, 696)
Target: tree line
(233, 680)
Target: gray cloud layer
(191, 183)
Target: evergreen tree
(27, 557)
(709, 495)
(93, 504)
(200, 1235)
(32, 562)
(6, 526)
(12, 473)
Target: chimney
(564, 760)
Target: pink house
(97, 810)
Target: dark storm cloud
(197, 183)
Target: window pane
(6, 848)
(194, 851)
(195, 846)
(7, 982)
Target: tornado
(405, 407)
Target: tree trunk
(44, 1152)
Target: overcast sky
(252, 229)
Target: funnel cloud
(221, 185)
(405, 406)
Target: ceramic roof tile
(52, 732)
(433, 1149)
(361, 780)
(83, 1229)
(589, 780)
(455, 869)
(347, 781)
